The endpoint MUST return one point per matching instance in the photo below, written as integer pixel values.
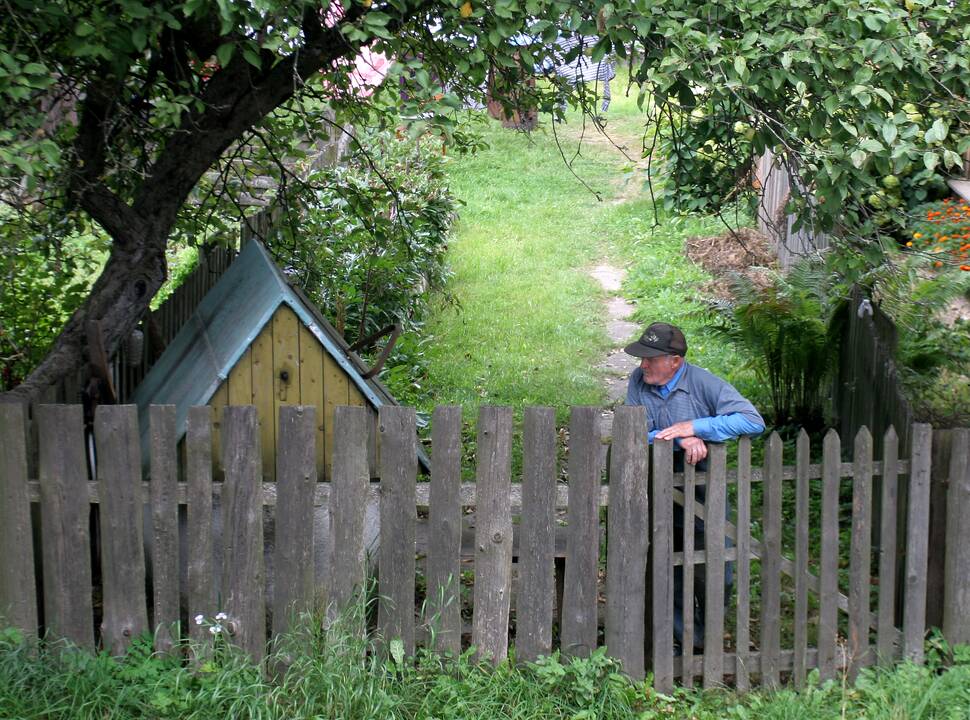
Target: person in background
(581, 69)
(691, 406)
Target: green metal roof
(225, 323)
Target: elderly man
(691, 406)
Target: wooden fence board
(662, 586)
(626, 562)
(18, 597)
(537, 591)
(802, 509)
(771, 565)
(296, 474)
(743, 578)
(956, 601)
(243, 577)
(350, 480)
(687, 585)
(714, 519)
(165, 545)
(917, 549)
(68, 610)
(399, 468)
(886, 631)
(198, 479)
(579, 615)
(860, 551)
(493, 534)
(443, 609)
(829, 557)
(122, 552)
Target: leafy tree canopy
(115, 111)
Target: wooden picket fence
(625, 526)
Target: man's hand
(694, 449)
(683, 429)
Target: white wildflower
(199, 619)
(215, 629)
(220, 616)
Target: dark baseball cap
(659, 339)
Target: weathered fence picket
(120, 514)
(65, 541)
(493, 535)
(296, 475)
(18, 600)
(243, 573)
(537, 589)
(626, 561)
(579, 615)
(399, 469)
(443, 611)
(165, 545)
(633, 589)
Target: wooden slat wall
(18, 599)
(119, 491)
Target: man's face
(661, 369)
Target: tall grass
(331, 673)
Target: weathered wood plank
(917, 548)
(743, 579)
(296, 475)
(18, 597)
(68, 611)
(662, 586)
(579, 616)
(534, 603)
(829, 557)
(714, 519)
(122, 554)
(956, 601)
(286, 362)
(886, 631)
(771, 564)
(443, 609)
(493, 535)
(243, 578)
(198, 480)
(802, 509)
(860, 550)
(936, 534)
(311, 386)
(263, 396)
(687, 586)
(626, 562)
(348, 502)
(335, 393)
(399, 469)
(165, 545)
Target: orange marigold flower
(917, 235)
(909, 244)
(965, 268)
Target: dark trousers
(700, 587)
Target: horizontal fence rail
(750, 563)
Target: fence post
(956, 601)
(582, 540)
(626, 563)
(348, 500)
(198, 477)
(936, 561)
(443, 612)
(399, 469)
(662, 478)
(886, 628)
(829, 559)
(860, 581)
(165, 545)
(493, 534)
(121, 515)
(743, 579)
(18, 598)
(296, 480)
(687, 567)
(242, 502)
(917, 543)
(771, 565)
(802, 509)
(537, 543)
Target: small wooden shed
(255, 339)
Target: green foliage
(782, 325)
(369, 244)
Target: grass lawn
(531, 326)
